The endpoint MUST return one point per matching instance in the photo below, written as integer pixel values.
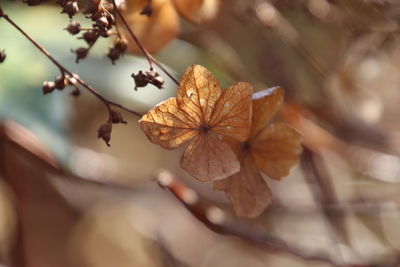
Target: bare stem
(106, 102)
(152, 61)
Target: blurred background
(339, 63)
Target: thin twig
(62, 69)
(152, 61)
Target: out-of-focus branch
(220, 222)
(31, 148)
(316, 174)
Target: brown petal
(247, 190)
(167, 126)
(198, 92)
(231, 116)
(208, 158)
(266, 104)
(276, 150)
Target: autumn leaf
(202, 113)
(271, 148)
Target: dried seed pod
(121, 44)
(81, 53)
(116, 117)
(61, 82)
(151, 74)
(2, 56)
(113, 54)
(74, 27)
(111, 19)
(48, 87)
(92, 6)
(104, 132)
(76, 92)
(102, 22)
(140, 79)
(90, 37)
(157, 82)
(71, 8)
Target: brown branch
(219, 222)
(62, 69)
(152, 61)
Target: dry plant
(332, 123)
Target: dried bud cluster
(59, 83)
(120, 46)
(141, 79)
(2, 56)
(100, 12)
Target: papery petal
(209, 158)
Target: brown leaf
(197, 10)
(156, 31)
(247, 190)
(205, 111)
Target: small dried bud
(121, 44)
(106, 34)
(92, 6)
(71, 8)
(1, 12)
(113, 55)
(111, 19)
(116, 117)
(48, 87)
(61, 82)
(102, 22)
(104, 132)
(151, 74)
(140, 79)
(147, 10)
(157, 82)
(74, 27)
(90, 37)
(81, 53)
(2, 56)
(76, 92)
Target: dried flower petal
(202, 111)
(273, 149)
